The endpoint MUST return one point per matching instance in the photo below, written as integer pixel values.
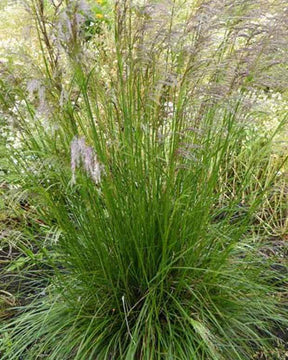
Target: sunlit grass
(138, 181)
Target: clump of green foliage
(138, 243)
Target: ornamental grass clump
(146, 253)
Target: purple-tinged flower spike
(85, 155)
(36, 86)
(32, 86)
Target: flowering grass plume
(84, 155)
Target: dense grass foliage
(141, 180)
